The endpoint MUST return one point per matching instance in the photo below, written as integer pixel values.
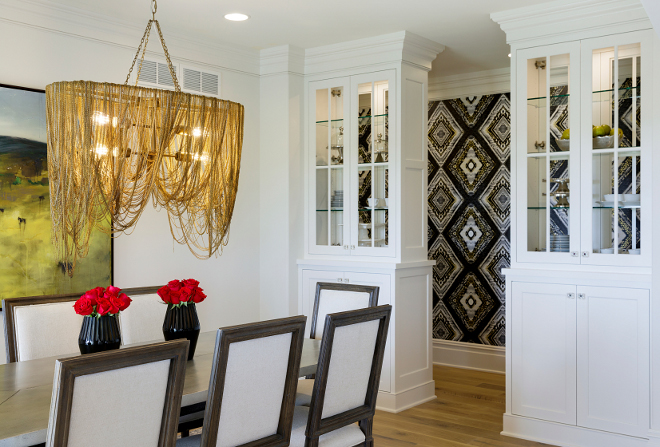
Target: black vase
(99, 334)
(182, 322)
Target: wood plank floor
(467, 412)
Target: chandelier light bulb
(236, 17)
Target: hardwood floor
(467, 412)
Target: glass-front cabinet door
(350, 144)
(328, 133)
(548, 154)
(371, 200)
(614, 183)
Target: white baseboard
(565, 435)
(395, 403)
(469, 356)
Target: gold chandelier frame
(114, 148)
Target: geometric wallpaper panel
(469, 207)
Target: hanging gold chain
(145, 42)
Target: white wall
(41, 46)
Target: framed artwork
(28, 263)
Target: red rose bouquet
(180, 293)
(99, 302)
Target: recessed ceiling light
(509, 54)
(236, 17)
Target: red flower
(185, 294)
(175, 297)
(84, 305)
(199, 295)
(125, 301)
(175, 285)
(112, 290)
(103, 306)
(192, 283)
(165, 294)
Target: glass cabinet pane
(548, 146)
(616, 211)
(373, 165)
(329, 166)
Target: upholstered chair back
(253, 383)
(332, 298)
(127, 397)
(347, 378)
(143, 320)
(46, 330)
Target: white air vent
(201, 82)
(156, 73)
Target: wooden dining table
(26, 388)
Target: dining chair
(331, 298)
(253, 385)
(143, 320)
(347, 377)
(126, 397)
(45, 326)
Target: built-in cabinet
(579, 290)
(580, 355)
(365, 194)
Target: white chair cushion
(254, 389)
(189, 441)
(347, 436)
(46, 330)
(143, 320)
(333, 301)
(304, 392)
(119, 407)
(350, 367)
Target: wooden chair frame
(10, 304)
(316, 426)
(70, 368)
(227, 336)
(371, 290)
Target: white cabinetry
(580, 355)
(578, 293)
(365, 194)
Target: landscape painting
(28, 262)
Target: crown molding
(487, 82)
(53, 17)
(402, 46)
(565, 20)
(287, 59)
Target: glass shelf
(543, 97)
(371, 116)
(620, 88)
(552, 208)
(337, 210)
(375, 209)
(332, 121)
(367, 165)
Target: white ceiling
(473, 41)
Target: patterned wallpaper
(469, 203)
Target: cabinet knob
(585, 254)
(582, 296)
(575, 254)
(352, 247)
(570, 296)
(339, 280)
(345, 247)
(346, 280)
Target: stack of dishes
(560, 243)
(337, 199)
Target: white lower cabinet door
(613, 359)
(543, 349)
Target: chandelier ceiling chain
(112, 149)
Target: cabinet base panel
(565, 435)
(395, 403)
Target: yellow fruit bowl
(564, 145)
(604, 142)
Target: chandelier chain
(143, 46)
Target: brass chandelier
(113, 148)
